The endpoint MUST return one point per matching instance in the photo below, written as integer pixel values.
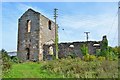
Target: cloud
(86, 21)
(98, 25)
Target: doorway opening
(28, 53)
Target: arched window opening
(28, 25)
(50, 50)
(49, 25)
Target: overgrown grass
(76, 68)
(28, 70)
(64, 68)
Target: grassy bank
(64, 68)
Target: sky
(59, 0)
(99, 18)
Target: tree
(104, 47)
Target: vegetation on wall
(71, 55)
(56, 43)
(104, 47)
(105, 52)
(84, 49)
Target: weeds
(76, 68)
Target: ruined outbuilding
(72, 48)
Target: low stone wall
(66, 49)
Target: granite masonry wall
(66, 49)
(34, 31)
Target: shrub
(72, 55)
(15, 59)
(115, 58)
(97, 52)
(84, 49)
(101, 58)
(6, 60)
(110, 53)
(92, 57)
(86, 57)
(76, 68)
(89, 57)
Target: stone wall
(28, 39)
(32, 36)
(47, 36)
(66, 49)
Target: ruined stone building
(72, 49)
(36, 37)
(34, 30)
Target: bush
(101, 58)
(76, 68)
(84, 49)
(86, 57)
(115, 58)
(98, 52)
(92, 57)
(6, 60)
(89, 57)
(15, 59)
(72, 55)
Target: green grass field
(28, 70)
(64, 68)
